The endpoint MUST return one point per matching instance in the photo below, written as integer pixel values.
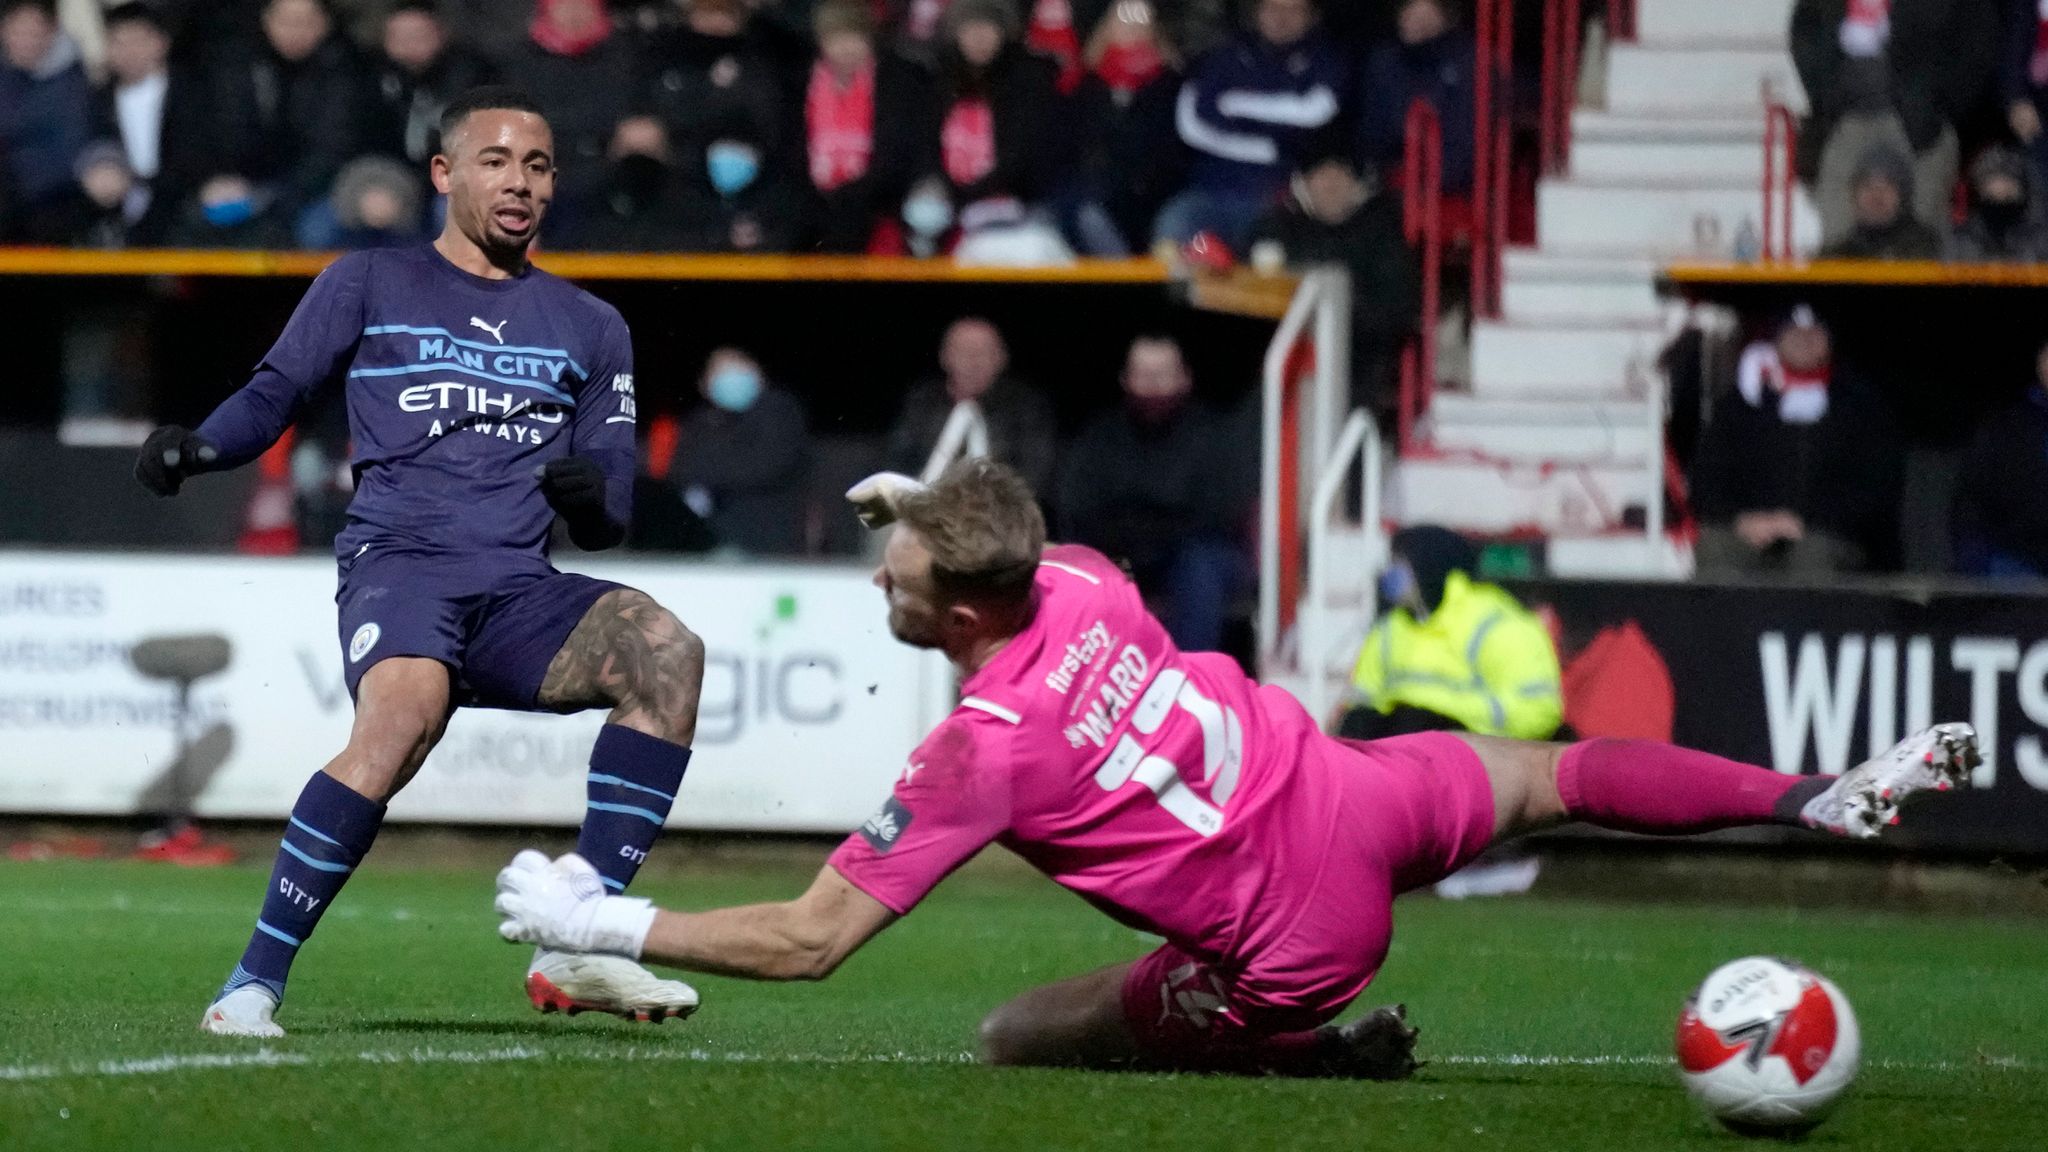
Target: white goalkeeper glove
(562, 905)
(874, 499)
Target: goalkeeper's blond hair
(983, 528)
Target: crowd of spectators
(892, 126)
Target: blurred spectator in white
(230, 211)
(743, 459)
(1131, 158)
(574, 65)
(283, 108)
(1005, 232)
(1900, 73)
(1429, 59)
(1250, 110)
(863, 117)
(1164, 485)
(708, 78)
(735, 200)
(44, 106)
(156, 112)
(1336, 216)
(416, 72)
(377, 202)
(2000, 517)
(1884, 227)
(2004, 224)
(640, 210)
(974, 364)
(1799, 469)
(999, 114)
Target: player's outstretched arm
(170, 454)
(562, 905)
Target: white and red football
(1767, 1046)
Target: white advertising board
(809, 706)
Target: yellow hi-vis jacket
(1481, 659)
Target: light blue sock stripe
(241, 978)
(322, 865)
(619, 885)
(601, 778)
(654, 818)
(317, 834)
(267, 930)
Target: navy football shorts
(496, 632)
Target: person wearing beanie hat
(377, 203)
(2004, 224)
(1450, 652)
(1885, 227)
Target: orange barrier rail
(585, 266)
(1875, 273)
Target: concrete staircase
(1556, 434)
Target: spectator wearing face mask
(1884, 227)
(712, 77)
(1335, 216)
(1131, 158)
(1431, 60)
(640, 209)
(1165, 485)
(863, 121)
(743, 459)
(230, 211)
(2004, 225)
(927, 222)
(1799, 468)
(733, 201)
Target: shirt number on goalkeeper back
(1136, 757)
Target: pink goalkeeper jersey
(1165, 787)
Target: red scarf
(842, 126)
(968, 142)
(552, 38)
(1129, 67)
(2037, 64)
(1052, 32)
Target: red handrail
(1422, 169)
(1621, 20)
(1781, 144)
(1561, 38)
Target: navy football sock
(332, 827)
(633, 782)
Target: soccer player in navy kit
(485, 398)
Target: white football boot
(1864, 801)
(571, 982)
(246, 1011)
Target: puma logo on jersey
(497, 331)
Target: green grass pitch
(1548, 1022)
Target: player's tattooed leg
(634, 655)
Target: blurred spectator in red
(230, 212)
(735, 200)
(743, 459)
(974, 363)
(1250, 110)
(2005, 223)
(640, 210)
(1884, 227)
(1162, 484)
(284, 107)
(415, 74)
(1429, 59)
(863, 123)
(1131, 158)
(1798, 471)
(1899, 73)
(2000, 517)
(44, 106)
(575, 66)
(709, 77)
(158, 115)
(999, 115)
(1336, 216)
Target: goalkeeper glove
(169, 455)
(875, 499)
(562, 905)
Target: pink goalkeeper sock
(1646, 786)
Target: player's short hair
(983, 529)
(486, 98)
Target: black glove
(169, 455)
(574, 488)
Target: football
(1767, 1046)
